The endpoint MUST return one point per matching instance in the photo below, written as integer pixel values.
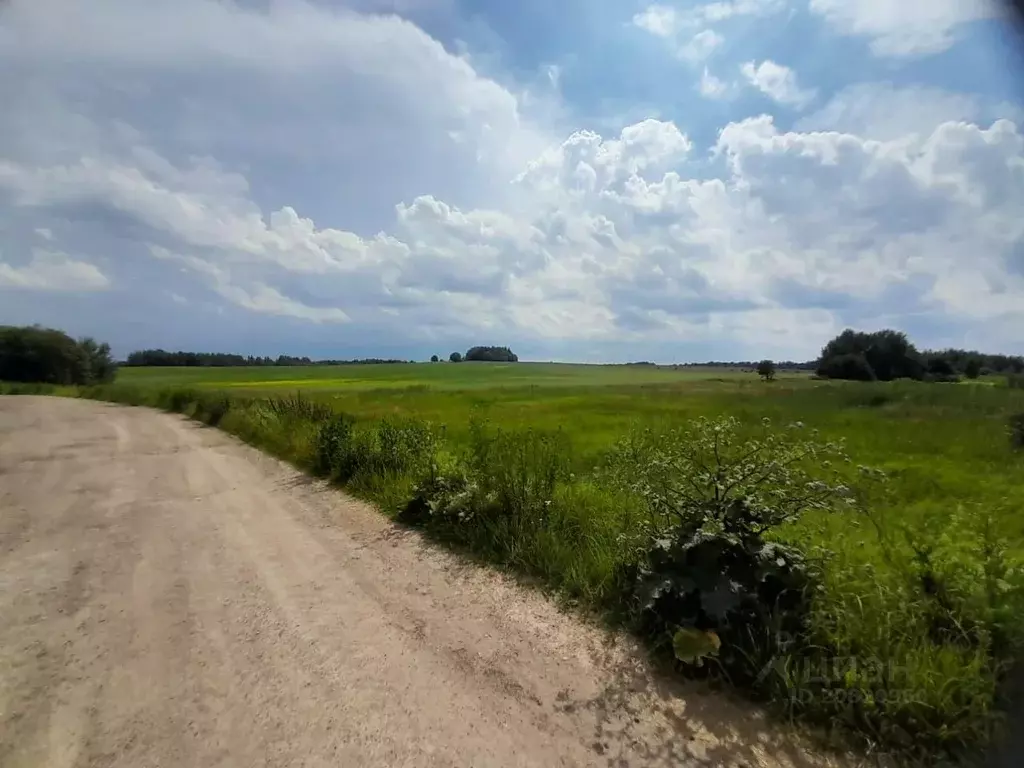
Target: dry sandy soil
(171, 597)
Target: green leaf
(692, 646)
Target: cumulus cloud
(52, 271)
(319, 95)
(910, 28)
(776, 81)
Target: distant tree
(491, 354)
(49, 356)
(766, 370)
(852, 366)
(939, 368)
(434, 358)
(972, 369)
(888, 354)
(455, 357)
(99, 366)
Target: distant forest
(163, 358)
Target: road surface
(171, 597)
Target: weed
(1016, 429)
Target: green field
(923, 580)
(342, 379)
(596, 403)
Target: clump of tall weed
(211, 408)
(333, 445)
(1015, 428)
(298, 406)
(711, 580)
(922, 633)
(500, 495)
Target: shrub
(1016, 428)
(518, 468)
(972, 368)
(402, 445)
(501, 496)
(766, 370)
(445, 498)
(333, 445)
(211, 408)
(710, 581)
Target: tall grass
(916, 613)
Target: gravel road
(171, 597)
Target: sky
(581, 180)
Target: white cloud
(52, 271)
(886, 112)
(909, 28)
(701, 45)
(660, 20)
(624, 239)
(690, 30)
(667, 21)
(777, 82)
(712, 87)
(318, 92)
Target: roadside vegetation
(849, 552)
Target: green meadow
(916, 607)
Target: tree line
(887, 355)
(163, 359)
(45, 355)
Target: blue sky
(592, 181)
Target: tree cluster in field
(163, 359)
(48, 356)
(888, 355)
(483, 354)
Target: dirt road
(170, 597)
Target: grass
(916, 620)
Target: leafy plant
(713, 499)
(694, 478)
(333, 445)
